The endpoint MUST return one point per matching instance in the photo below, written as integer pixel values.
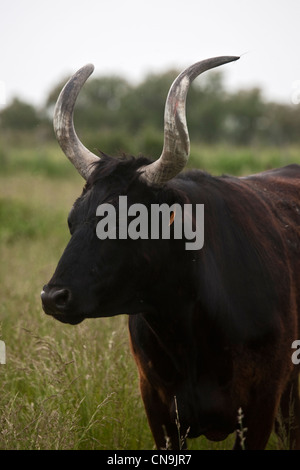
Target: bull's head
(107, 277)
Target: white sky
(42, 41)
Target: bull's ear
(172, 217)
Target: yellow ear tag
(172, 217)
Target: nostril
(61, 298)
(55, 300)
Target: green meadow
(73, 387)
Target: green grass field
(71, 387)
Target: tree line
(114, 112)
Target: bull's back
(280, 190)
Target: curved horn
(63, 124)
(176, 138)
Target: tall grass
(63, 387)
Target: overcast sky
(43, 41)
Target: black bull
(211, 330)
